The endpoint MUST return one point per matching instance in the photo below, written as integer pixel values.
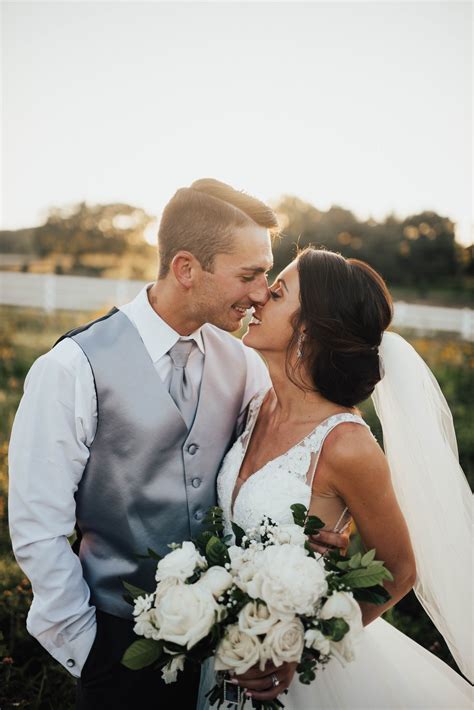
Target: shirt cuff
(71, 653)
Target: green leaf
(364, 577)
(203, 538)
(154, 555)
(373, 595)
(388, 575)
(343, 565)
(172, 648)
(355, 560)
(378, 566)
(216, 552)
(334, 628)
(142, 653)
(214, 520)
(239, 534)
(368, 557)
(299, 513)
(313, 524)
(134, 591)
(340, 629)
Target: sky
(367, 105)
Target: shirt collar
(158, 337)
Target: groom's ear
(184, 267)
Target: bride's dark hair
(345, 307)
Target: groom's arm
(49, 448)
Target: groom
(121, 431)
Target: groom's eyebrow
(256, 269)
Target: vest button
(192, 448)
(196, 482)
(198, 515)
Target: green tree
(82, 230)
(418, 251)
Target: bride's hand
(266, 684)
(324, 541)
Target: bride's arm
(357, 470)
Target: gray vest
(148, 480)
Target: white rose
(185, 614)
(237, 651)
(236, 556)
(284, 642)
(255, 619)
(345, 649)
(341, 605)
(169, 673)
(288, 580)
(180, 563)
(315, 639)
(163, 587)
(145, 625)
(289, 534)
(217, 580)
(242, 566)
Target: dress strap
(253, 409)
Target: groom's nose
(260, 292)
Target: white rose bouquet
(258, 596)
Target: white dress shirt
(52, 432)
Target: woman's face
(270, 329)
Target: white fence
(50, 292)
(76, 293)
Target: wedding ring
(275, 681)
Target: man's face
(238, 280)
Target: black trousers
(105, 684)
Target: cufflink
(70, 662)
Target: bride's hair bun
(345, 308)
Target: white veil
(432, 491)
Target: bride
(322, 333)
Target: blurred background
(353, 119)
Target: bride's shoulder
(351, 451)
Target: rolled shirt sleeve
(49, 447)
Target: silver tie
(181, 388)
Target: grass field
(29, 678)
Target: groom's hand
(324, 541)
(266, 684)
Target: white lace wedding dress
(390, 671)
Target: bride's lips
(254, 321)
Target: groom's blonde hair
(201, 219)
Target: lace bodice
(281, 482)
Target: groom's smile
(241, 310)
(238, 281)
